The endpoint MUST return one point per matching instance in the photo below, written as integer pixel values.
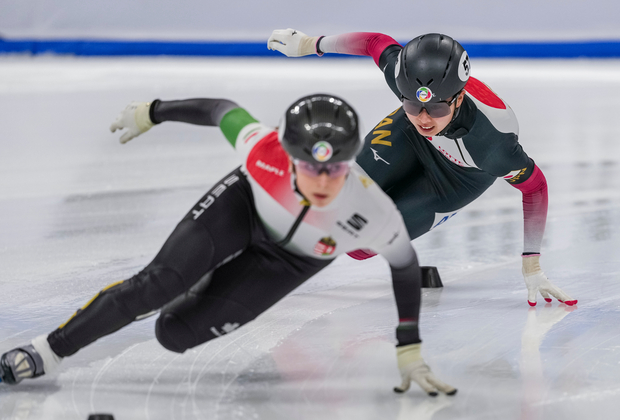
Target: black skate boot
(20, 363)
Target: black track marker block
(430, 277)
(101, 417)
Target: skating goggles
(434, 109)
(333, 170)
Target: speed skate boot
(19, 364)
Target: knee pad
(191, 320)
(174, 334)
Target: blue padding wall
(597, 49)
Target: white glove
(413, 368)
(135, 118)
(292, 43)
(536, 281)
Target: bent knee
(174, 334)
(193, 320)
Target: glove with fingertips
(413, 368)
(537, 282)
(292, 43)
(135, 118)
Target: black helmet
(432, 68)
(320, 128)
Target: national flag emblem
(250, 134)
(326, 246)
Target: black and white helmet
(432, 68)
(320, 128)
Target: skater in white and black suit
(265, 228)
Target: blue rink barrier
(586, 49)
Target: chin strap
(303, 200)
(457, 112)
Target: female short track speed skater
(261, 231)
(450, 140)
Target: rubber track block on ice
(101, 417)
(430, 277)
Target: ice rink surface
(79, 211)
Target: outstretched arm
(395, 246)
(535, 203)
(202, 111)
(382, 48)
(371, 44)
(505, 158)
(139, 117)
(293, 43)
(407, 283)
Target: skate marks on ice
(327, 351)
(144, 381)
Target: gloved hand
(292, 43)
(135, 118)
(413, 368)
(536, 281)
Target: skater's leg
(237, 293)
(121, 303)
(427, 200)
(222, 224)
(204, 238)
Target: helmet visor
(313, 169)
(434, 109)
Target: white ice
(79, 211)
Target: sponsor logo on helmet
(424, 94)
(322, 151)
(464, 67)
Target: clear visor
(333, 170)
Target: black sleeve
(387, 63)
(505, 157)
(407, 284)
(200, 111)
